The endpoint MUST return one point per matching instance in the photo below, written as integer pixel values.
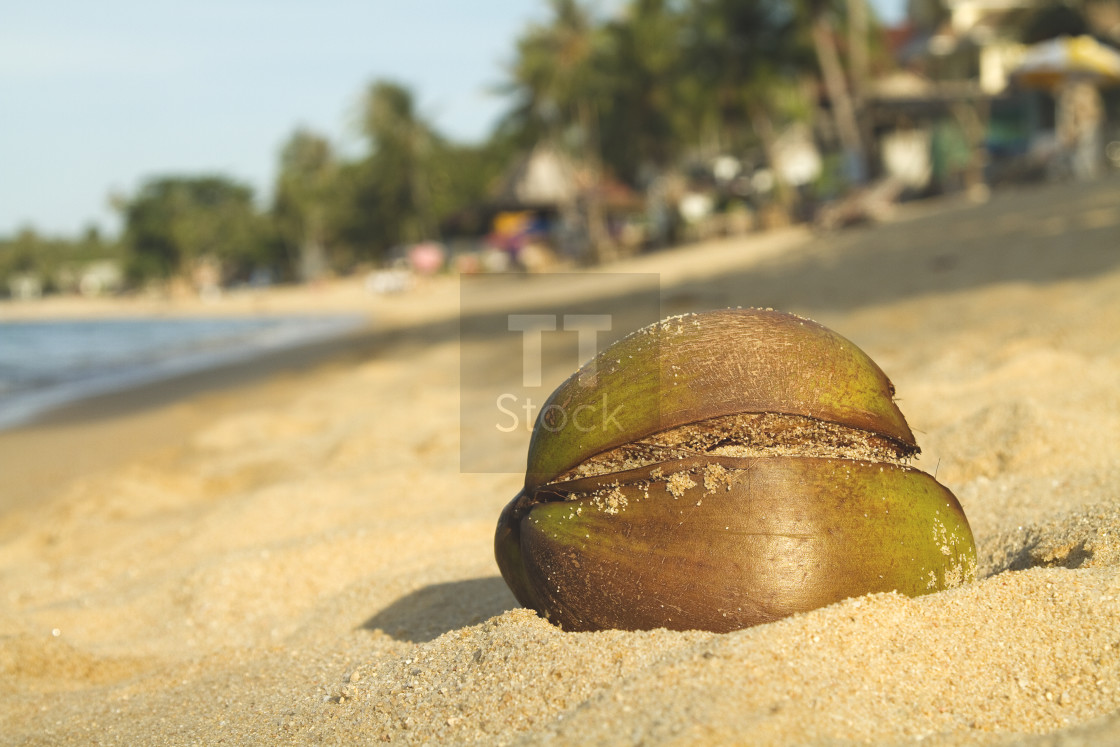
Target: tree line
(635, 96)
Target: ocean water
(44, 364)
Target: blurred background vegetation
(631, 102)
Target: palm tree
(305, 194)
(644, 116)
(557, 77)
(401, 161)
(747, 58)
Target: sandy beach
(286, 551)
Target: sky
(97, 97)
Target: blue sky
(97, 97)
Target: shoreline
(30, 405)
(82, 428)
(363, 320)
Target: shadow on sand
(429, 612)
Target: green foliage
(632, 96)
(555, 78)
(56, 263)
(664, 79)
(644, 69)
(390, 191)
(746, 57)
(306, 204)
(466, 174)
(411, 179)
(175, 223)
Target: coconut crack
(746, 435)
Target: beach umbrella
(1052, 63)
